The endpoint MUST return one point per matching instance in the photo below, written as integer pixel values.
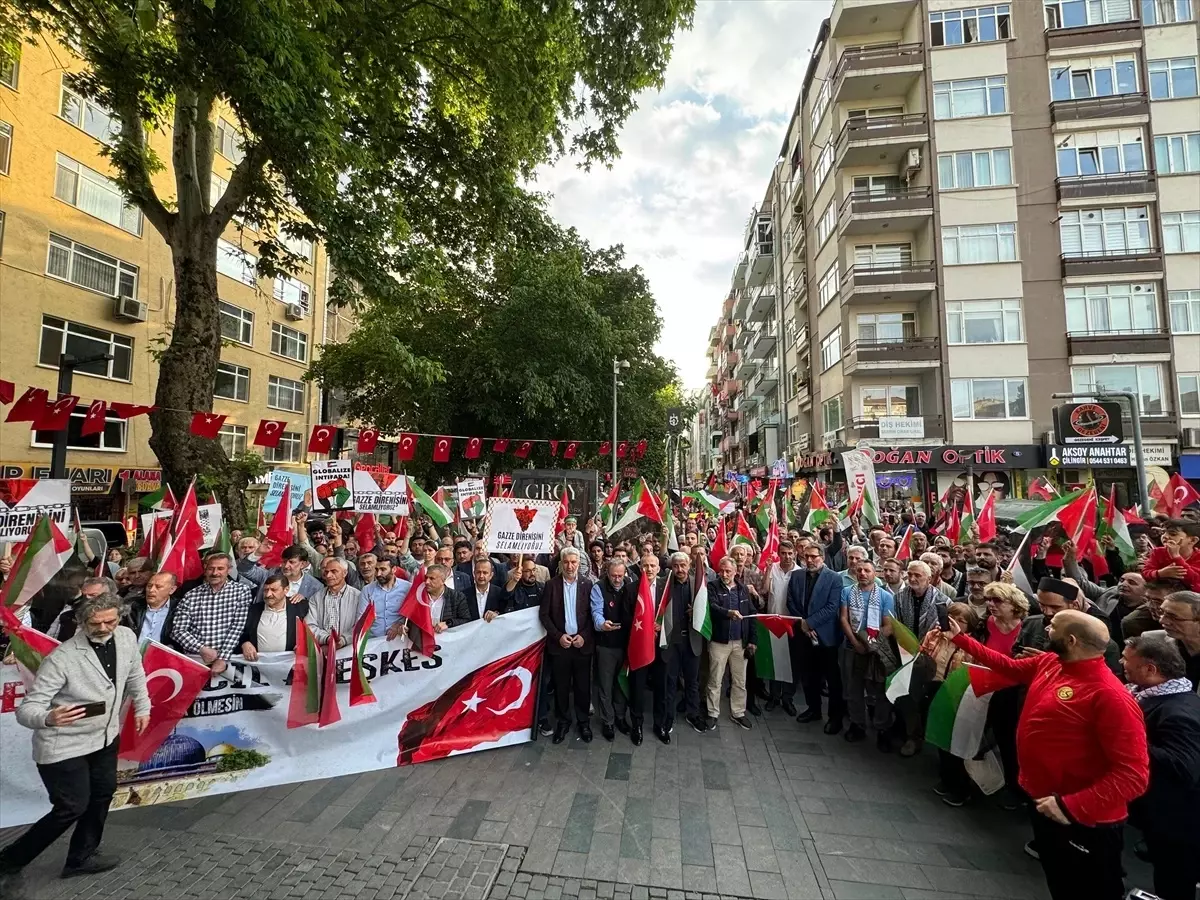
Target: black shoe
(635, 734)
(855, 733)
(711, 724)
(1031, 849)
(833, 726)
(941, 790)
(663, 735)
(698, 724)
(560, 732)
(761, 692)
(93, 865)
(753, 709)
(622, 726)
(607, 731)
(883, 741)
(809, 715)
(772, 705)
(955, 800)
(1141, 851)
(544, 728)
(585, 733)
(741, 722)
(1010, 801)
(789, 707)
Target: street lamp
(618, 365)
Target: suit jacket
(295, 611)
(1168, 808)
(309, 587)
(497, 601)
(455, 608)
(823, 606)
(461, 581)
(137, 615)
(554, 619)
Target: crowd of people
(1097, 722)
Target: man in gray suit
(74, 709)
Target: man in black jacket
(152, 615)
(1169, 812)
(612, 602)
(271, 625)
(677, 658)
(485, 600)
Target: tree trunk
(187, 372)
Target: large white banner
(860, 481)
(382, 493)
(24, 500)
(478, 691)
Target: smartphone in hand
(91, 710)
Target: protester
(1177, 558)
(570, 645)
(915, 607)
(271, 625)
(731, 642)
(334, 607)
(778, 578)
(954, 785)
(211, 617)
(1180, 618)
(864, 607)
(152, 618)
(814, 595)
(680, 656)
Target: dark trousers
(953, 773)
(786, 690)
(818, 665)
(676, 659)
(81, 789)
(572, 674)
(545, 689)
(1080, 861)
(1004, 711)
(1176, 867)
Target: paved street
(778, 813)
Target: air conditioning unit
(1191, 438)
(912, 159)
(129, 309)
(295, 312)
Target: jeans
(719, 656)
(676, 659)
(858, 689)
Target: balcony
(803, 396)
(851, 17)
(762, 305)
(1112, 262)
(741, 303)
(730, 330)
(731, 387)
(881, 141)
(910, 281)
(712, 371)
(1165, 425)
(884, 70)
(764, 344)
(739, 271)
(1106, 343)
(732, 415)
(1126, 31)
(793, 236)
(866, 212)
(866, 428)
(765, 382)
(731, 359)
(762, 262)
(745, 367)
(885, 353)
(1131, 107)
(744, 339)
(796, 295)
(727, 307)
(1133, 186)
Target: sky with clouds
(695, 160)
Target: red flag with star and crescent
(441, 449)
(641, 637)
(494, 701)
(523, 449)
(501, 445)
(55, 416)
(367, 439)
(572, 449)
(417, 609)
(206, 425)
(406, 447)
(173, 682)
(321, 439)
(29, 405)
(269, 432)
(474, 445)
(93, 422)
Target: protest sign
(517, 525)
(301, 486)
(209, 515)
(23, 500)
(478, 691)
(332, 484)
(472, 498)
(381, 493)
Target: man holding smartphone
(74, 709)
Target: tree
(394, 130)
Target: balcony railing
(883, 350)
(911, 279)
(1118, 106)
(859, 203)
(1116, 184)
(1112, 262)
(914, 126)
(1094, 33)
(884, 56)
(1103, 343)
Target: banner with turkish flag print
(523, 448)
(474, 446)
(29, 405)
(501, 445)
(93, 422)
(321, 439)
(641, 635)
(441, 448)
(367, 439)
(605, 448)
(206, 425)
(55, 416)
(174, 681)
(406, 447)
(571, 449)
(622, 449)
(269, 433)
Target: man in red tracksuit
(1081, 750)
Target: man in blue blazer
(814, 594)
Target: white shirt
(435, 607)
(294, 587)
(779, 589)
(481, 600)
(272, 630)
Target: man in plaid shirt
(210, 618)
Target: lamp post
(67, 364)
(618, 365)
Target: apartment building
(81, 272)
(983, 205)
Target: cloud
(695, 160)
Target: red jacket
(1160, 558)
(1081, 736)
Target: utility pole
(67, 364)
(618, 365)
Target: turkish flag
(622, 448)
(56, 415)
(986, 523)
(206, 425)
(7, 391)
(571, 449)
(93, 422)
(364, 532)
(407, 447)
(1179, 495)
(269, 432)
(281, 532)
(490, 703)
(367, 439)
(173, 681)
(129, 410)
(417, 609)
(321, 439)
(441, 449)
(501, 446)
(605, 448)
(554, 448)
(474, 445)
(641, 638)
(640, 450)
(523, 449)
(29, 405)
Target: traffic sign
(674, 420)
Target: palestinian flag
(643, 503)
(899, 683)
(660, 618)
(1114, 525)
(304, 705)
(328, 710)
(787, 514)
(360, 686)
(904, 548)
(437, 512)
(223, 543)
(819, 512)
(743, 535)
(608, 509)
(708, 502)
(1047, 512)
(163, 498)
(772, 658)
(959, 710)
(720, 547)
(966, 517)
(39, 558)
(26, 644)
(669, 524)
(701, 615)
(765, 513)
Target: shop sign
(547, 484)
(1083, 456)
(1088, 423)
(1156, 454)
(823, 460)
(1004, 456)
(89, 480)
(901, 428)
(141, 481)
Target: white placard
(901, 427)
(332, 485)
(209, 515)
(517, 525)
(30, 500)
(381, 493)
(472, 498)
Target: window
(5, 146)
(60, 336)
(289, 290)
(287, 451)
(237, 324)
(882, 256)
(988, 398)
(893, 400)
(824, 164)
(964, 244)
(970, 97)
(1175, 154)
(232, 383)
(87, 115)
(112, 438)
(820, 104)
(978, 168)
(879, 328)
(884, 185)
(1144, 380)
(1185, 311)
(1189, 395)
(1181, 232)
(1103, 232)
(216, 189)
(1099, 76)
(300, 246)
(229, 144)
(1075, 13)
(284, 393)
(1101, 153)
(1172, 78)
(969, 26)
(827, 223)
(1166, 12)
(95, 194)
(90, 268)
(831, 414)
(9, 69)
(289, 342)
(233, 439)
(1111, 308)
(827, 287)
(236, 263)
(984, 322)
(1, 232)
(831, 348)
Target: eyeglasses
(1165, 616)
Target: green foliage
(243, 469)
(239, 759)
